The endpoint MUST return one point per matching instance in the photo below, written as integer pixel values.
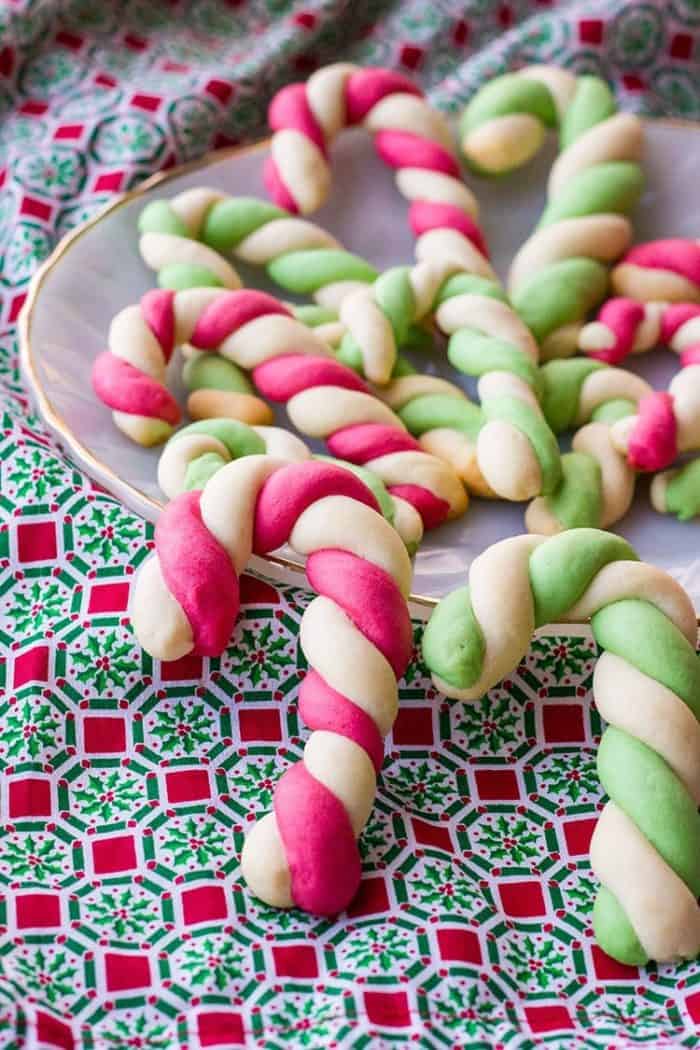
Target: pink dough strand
(433, 215)
(675, 254)
(369, 596)
(289, 491)
(367, 87)
(282, 377)
(157, 312)
(365, 441)
(198, 573)
(431, 508)
(230, 312)
(318, 841)
(290, 109)
(124, 388)
(675, 316)
(322, 707)
(401, 149)
(277, 188)
(652, 444)
(622, 317)
(691, 355)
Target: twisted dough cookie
(559, 274)
(666, 270)
(597, 481)
(646, 846)
(356, 636)
(324, 398)
(666, 424)
(678, 491)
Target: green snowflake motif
(51, 976)
(184, 728)
(32, 857)
(418, 786)
(199, 841)
(88, 104)
(489, 724)
(627, 1016)
(535, 963)
(20, 132)
(254, 782)
(28, 731)
(470, 1012)
(637, 35)
(378, 946)
(679, 92)
(139, 1031)
(108, 531)
(304, 1022)
(35, 605)
(51, 73)
(28, 246)
(104, 661)
(122, 912)
(444, 888)
(107, 796)
(193, 121)
(562, 658)
(127, 138)
(35, 474)
(59, 172)
(213, 962)
(571, 776)
(510, 839)
(260, 654)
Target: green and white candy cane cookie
(677, 491)
(597, 485)
(560, 272)
(646, 846)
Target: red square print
(435, 835)
(68, 131)
(371, 898)
(459, 945)
(204, 904)
(30, 797)
(607, 969)
(220, 1028)
(522, 900)
(114, 854)
(257, 592)
(36, 541)
(220, 89)
(50, 1032)
(692, 1005)
(414, 727)
(388, 1009)
(188, 785)
(123, 972)
(411, 56)
(103, 735)
(35, 208)
(577, 834)
(33, 108)
(563, 723)
(548, 1018)
(109, 182)
(186, 669)
(633, 82)
(295, 960)
(149, 103)
(38, 910)
(31, 666)
(590, 31)
(260, 723)
(681, 46)
(16, 304)
(109, 597)
(497, 785)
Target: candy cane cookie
(646, 846)
(356, 636)
(666, 424)
(560, 273)
(597, 484)
(678, 491)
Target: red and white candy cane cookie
(356, 636)
(324, 398)
(409, 135)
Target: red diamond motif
(204, 904)
(149, 103)
(295, 960)
(497, 784)
(388, 1009)
(16, 305)
(681, 46)
(371, 898)
(52, 1033)
(590, 31)
(577, 834)
(38, 910)
(410, 56)
(123, 972)
(522, 899)
(607, 969)
(104, 735)
(563, 723)
(33, 108)
(70, 40)
(36, 541)
(692, 1005)
(220, 1028)
(108, 597)
(69, 131)
(114, 854)
(31, 666)
(220, 89)
(29, 797)
(260, 723)
(188, 785)
(548, 1018)
(414, 727)
(36, 209)
(434, 835)
(459, 945)
(633, 82)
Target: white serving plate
(96, 270)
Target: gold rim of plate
(84, 458)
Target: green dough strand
(560, 294)
(430, 411)
(593, 102)
(614, 932)
(475, 354)
(159, 217)
(562, 382)
(230, 221)
(212, 372)
(535, 429)
(577, 503)
(505, 95)
(237, 437)
(181, 276)
(305, 272)
(612, 187)
(453, 644)
(683, 492)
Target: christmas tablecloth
(126, 786)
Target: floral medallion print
(127, 786)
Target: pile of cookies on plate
(404, 450)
